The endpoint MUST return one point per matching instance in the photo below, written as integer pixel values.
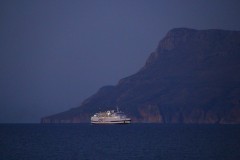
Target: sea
(119, 142)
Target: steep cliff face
(192, 77)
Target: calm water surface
(119, 142)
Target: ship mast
(117, 109)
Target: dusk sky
(56, 53)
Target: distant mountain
(192, 77)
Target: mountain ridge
(191, 77)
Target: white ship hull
(127, 121)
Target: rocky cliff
(192, 77)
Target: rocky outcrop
(192, 77)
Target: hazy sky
(55, 53)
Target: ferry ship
(110, 117)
